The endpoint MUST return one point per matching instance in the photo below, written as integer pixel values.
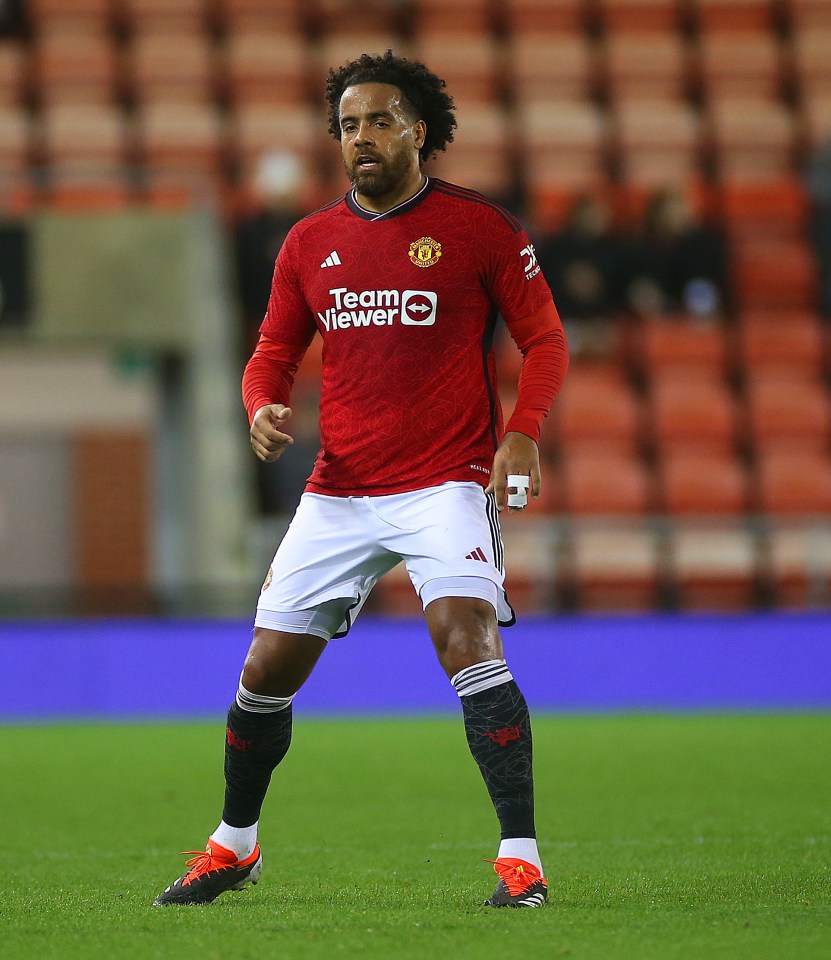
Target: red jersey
(406, 302)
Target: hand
(267, 439)
(517, 454)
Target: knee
(464, 632)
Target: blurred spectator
(678, 264)
(277, 188)
(279, 195)
(818, 180)
(12, 19)
(14, 275)
(584, 266)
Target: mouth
(367, 162)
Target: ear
(419, 133)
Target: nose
(364, 135)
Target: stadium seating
(713, 565)
(797, 563)
(702, 483)
(692, 416)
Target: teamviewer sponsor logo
(378, 308)
(418, 308)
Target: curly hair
(423, 92)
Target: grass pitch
(663, 837)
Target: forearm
(542, 340)
(269, 375)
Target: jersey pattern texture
(406, 303)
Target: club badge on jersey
(425, 252)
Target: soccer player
(403, 278)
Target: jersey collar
(404, 207)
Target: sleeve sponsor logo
(531, 267)
(425, 251)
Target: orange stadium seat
(78, 67)
(679, 347)
(606, 484)
(811, 62)
(787, 344)
(291, 16)
(558, 66)
(464, 18)
(473, 69)
(810, 14)
(692, 416)
(170, 65)
(544, 17)
(259, 128)
(794, 484)
(702, 483)
(597, 414)
(13, 72)
(338, 16)
(181, 136)
(178, 16)
(798, 563)
(714, 566)
(615, 565)
(266, 66)
(644, 65)
(72, 15)
(565, 144)
(657, 16)
(738, 15)
(15, 141)
(738, 64)
(784, 414)
(752, 138)
(657, 141)
(774, 274)
(771, 209)
(478, 158)
(84, 136)
(96, 191)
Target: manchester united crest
(268, 578)
(425, 251)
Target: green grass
(663, 837)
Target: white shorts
(337, 548)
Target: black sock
(498, 728)
(254, 744)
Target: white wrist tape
(521, 483)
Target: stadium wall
(136, 668)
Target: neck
(408, 188)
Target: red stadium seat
(177, 16)
(680, 347)
(464, 18)
(714, 566)
(265, 66)
(657, 16)
(692, 416)
(564, 142)
(170, 66)
(290, 16)
(788, 415)
(703, 484)
(544, 17)
(798, 563)
(185, 137)
(794, 484)
(774, 274)
(76, 67)
(606, 484)
(562, 66)
(772, 209)
(613, 566)
(657, 141)
(732, 64)
(473, 70)
(597, 414)
(13, 72)
(84, 136)
(738, 15)
(479, 155)
(751, 137)
(645, 66)
(783, 344)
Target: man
(403, 278)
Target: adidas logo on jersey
(333, 260)
(379, 308)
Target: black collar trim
(404, 207)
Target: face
(379, 141)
